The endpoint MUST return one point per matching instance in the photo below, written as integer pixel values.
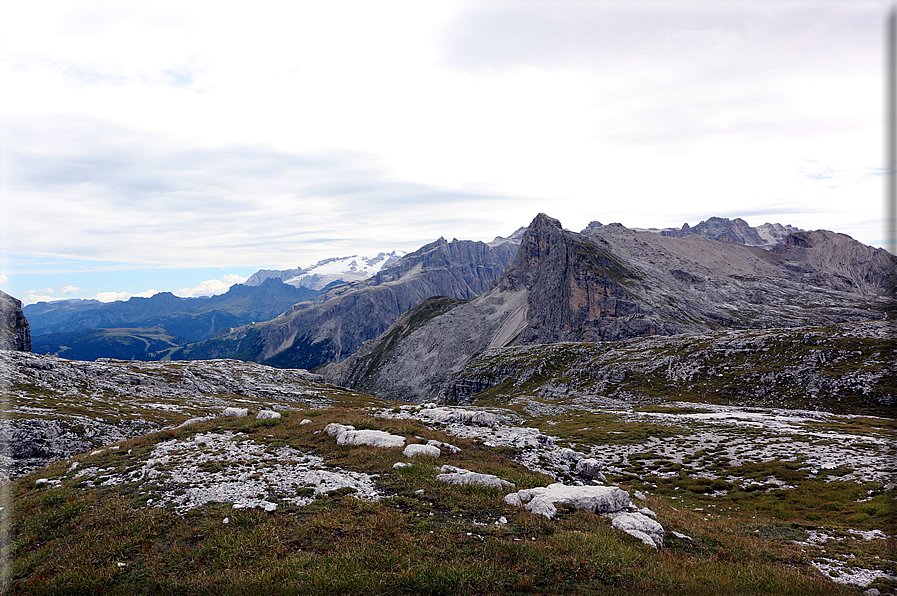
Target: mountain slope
(127, 343)
(344, 317)
(619, 283)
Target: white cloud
(210, 287)
(233, 278)
(57, 290)
(390, 124)
(3, 279)
(113, 296)
(34, 299)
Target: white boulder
(606, 500)
(415, 449)
(194, 421)
(267, 415)
(460, 477)
(347, 435)
(595, 499)
(590, 468)
(235, 412)
(641, 526)
(460, 416)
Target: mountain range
(331, 327)
(452, 300)
(613, 283)
(89, 329)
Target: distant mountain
(617, 283)
(327, 271)
(341, 318)
(190, 319)
(735, 231)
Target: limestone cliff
(15, 333)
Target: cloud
(113, 296)
(211, 287)
(111, 193)
(57, 290)
(3, 279)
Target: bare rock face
(736, 231)
(15, 333)
(576, 289)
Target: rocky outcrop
(344, 317)
(348, 435)
(618, 284)
(15, 332)
(736, 231)
(844, 368)
(464, 477)
(59, 407)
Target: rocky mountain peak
(15, 333)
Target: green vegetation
(818, 368)
(425, 537)
(122, 344)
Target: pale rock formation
(347, 435)
(591, 468)
(460, 476)
(416, 449)
(235, 412)
(459, 416)
(607, 500)
(641, 526)
(267, 415)
(194, 420)
(596, 499)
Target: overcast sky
(180, 146)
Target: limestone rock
(267, 415)
(235, 412)
(347, 435)
(461, 477)
(591, 468)
(595, 499)
(641, 526)
(416, 449)
(15, 332)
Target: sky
(181, 146)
